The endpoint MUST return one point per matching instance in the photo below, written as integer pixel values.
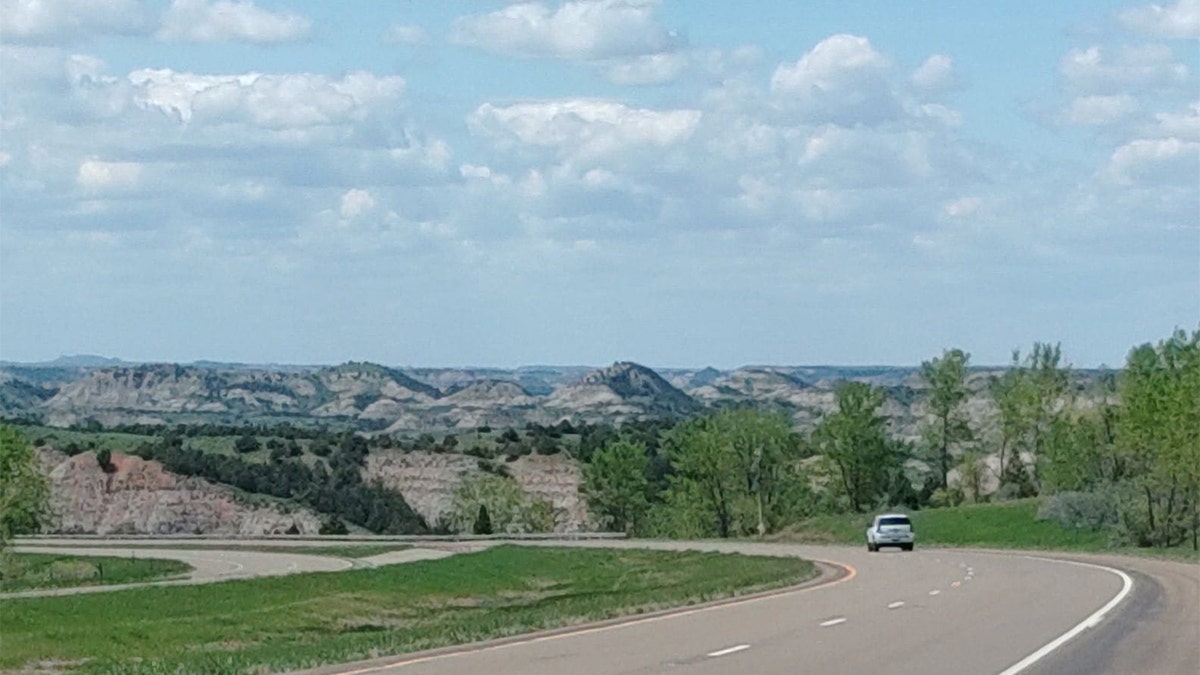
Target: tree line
(334, 487)
(1127, 454)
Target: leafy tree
(483, 522)
(24, 491)
(971, 474)
(1031, 400)
(733, 473)
(510, 509)
(616, 485)
(946, 379)
(104, 459)
(246, 443)
(855, 442)
(1160, 435)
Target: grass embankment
(32, 571)
(308, 619)
(1011, 524)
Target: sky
(677, 183)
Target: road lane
(991, 611)
(1157, 632)
(935, 611)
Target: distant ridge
(73, 361)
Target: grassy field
(1011, 524)
(271, 624)
(30, 571)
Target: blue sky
(675, 183)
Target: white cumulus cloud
(1098, 71)
(583, 30)
(842, 79)
(1100, 110)
(100, 176)
(226, 20)
(56, 19)
(935, 74)
(1161, 161)
(291, 100)
(591, 127)
(1180, 20)
(1184, 125)
(356, 202)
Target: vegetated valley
(361, 447)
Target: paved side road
(221, 561)
(208, 565)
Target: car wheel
(907, 547)
(871, 548)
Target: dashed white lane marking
(833, 622)
(934, 592)
(728, 650)
(894, 605)
(955, 584)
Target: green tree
(24, 491)
(616, 486)
(510, 509)
(971, 476)
(1159, 433)
(104, 459)
(946, 379)
(483, 522)
(1032, 398)
(245, 443)
(732, 474)
(855, 443)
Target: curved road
(947, 611)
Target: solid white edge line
(833, 622)
(728, 650)
(1095, 618)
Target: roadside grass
(1011, 524)
(304, 620)
(32, 571)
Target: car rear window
(896, 520)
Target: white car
(890, 529)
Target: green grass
(31, 571)
(303, 620)
(1012, 524)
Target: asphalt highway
(942, 612)
(936, 611)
